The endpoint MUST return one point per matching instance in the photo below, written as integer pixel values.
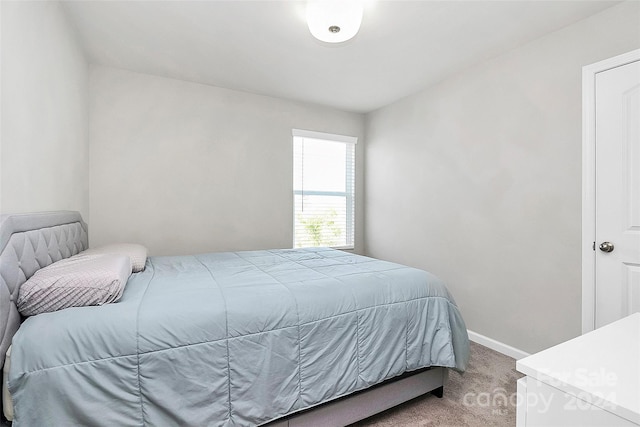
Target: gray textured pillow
(75, 282)
(137, 253)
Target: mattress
(237, 338)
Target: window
(323, 189)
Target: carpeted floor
(485, 395)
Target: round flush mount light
(334, 21)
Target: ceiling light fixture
(334, 21)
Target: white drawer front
(521, 408)
(548, 406)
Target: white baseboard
(497, 345)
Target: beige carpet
(485, 395)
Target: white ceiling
(265, 47)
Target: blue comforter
(236, 338)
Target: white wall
(44, 144)
(478, 179)
(186, 168)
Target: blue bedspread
(236, 338)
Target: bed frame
(29, 242)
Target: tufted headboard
(29, 242)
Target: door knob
(606, 247)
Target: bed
(281, 337)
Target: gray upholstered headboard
(29, 242)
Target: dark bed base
(365, 403)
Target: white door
(617, 193)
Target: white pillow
(75, 282)
(137, 253)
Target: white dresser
(592, 380)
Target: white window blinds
(323, 189)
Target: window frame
(350, 186)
